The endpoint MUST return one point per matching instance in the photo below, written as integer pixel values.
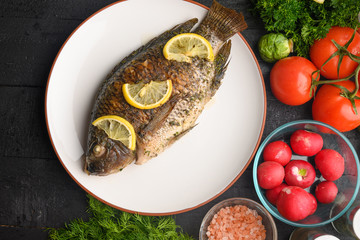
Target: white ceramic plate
(194, 170)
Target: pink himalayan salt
(236, 223)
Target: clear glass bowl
(348, 184)
(267, 220)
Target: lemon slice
(117, 128)
(147, 95)
(184, 46)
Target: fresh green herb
(108, 223)
(305, 20)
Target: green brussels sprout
(274, 46)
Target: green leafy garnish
(306, 20)
(106, 222)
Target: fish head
(105, 155)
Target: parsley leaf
(305, 20)
(106, 222)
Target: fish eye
(98, 150)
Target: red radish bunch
(285, 180)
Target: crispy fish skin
(194, 84)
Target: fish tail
(220, 24)
(225, 21)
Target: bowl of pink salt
(238, 218)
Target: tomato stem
(316, 82)
(354, 57)
(332, 81)
(353, 94)
(347, 94)
(341, 52)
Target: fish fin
(160, 117)
(221, 21)
(221, 64)
(143, 155)
(125, 62)
(178, 136)
(180, 28)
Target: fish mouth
(94, 167)
(105, 159)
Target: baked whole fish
(194, 84)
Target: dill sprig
(106, 223)
(305, 20)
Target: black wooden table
(35, 190)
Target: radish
(294, 203)
(273, 194)
(306, 143)
(313, 203)
(330, 164)
(270, 174)
(299, 173)
(326, 192)
(277, 151)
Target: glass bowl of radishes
(306, 173)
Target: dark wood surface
(35, 191)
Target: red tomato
(332, 108)
(290, 80)
(322, 49)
